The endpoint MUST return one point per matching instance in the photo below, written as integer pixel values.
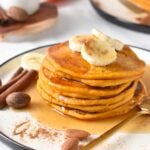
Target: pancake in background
(143, 4)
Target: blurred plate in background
(123, 13)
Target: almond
(76, 133)
(71, 144)
(17, 14)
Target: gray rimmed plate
(140, 140)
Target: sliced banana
(101, 36)
(98, 53)
(76, 42)
(116, 44)
(32, 61)
(97, 49)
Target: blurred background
(79, 17)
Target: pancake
(76, 89)
(67, 101)
(91, 116)
(123, 109)
(113, 82)
(71, 63)
(94, 108)
(97, 83)
(143, 4)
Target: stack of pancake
(76, 88)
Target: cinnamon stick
(17, 72)
(12, 81)
(20, 85)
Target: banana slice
(101, 36)
(98, 53)
(32, 61)
(76, 42)
(116, 44)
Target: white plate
(121, 140)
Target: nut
(18, 99)
(75, 133)
(70, 144)
(17, 14)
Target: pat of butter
(30, 6)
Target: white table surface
(76, 17)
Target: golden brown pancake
(100, 115)
(76, 89)
(113, 82)
(143, 4)
(97, 83)
(67, 101)
(98, 107)
(97, 115)
(72, 63)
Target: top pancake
(71, 63)
(95, 83)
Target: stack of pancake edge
(76, 88)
